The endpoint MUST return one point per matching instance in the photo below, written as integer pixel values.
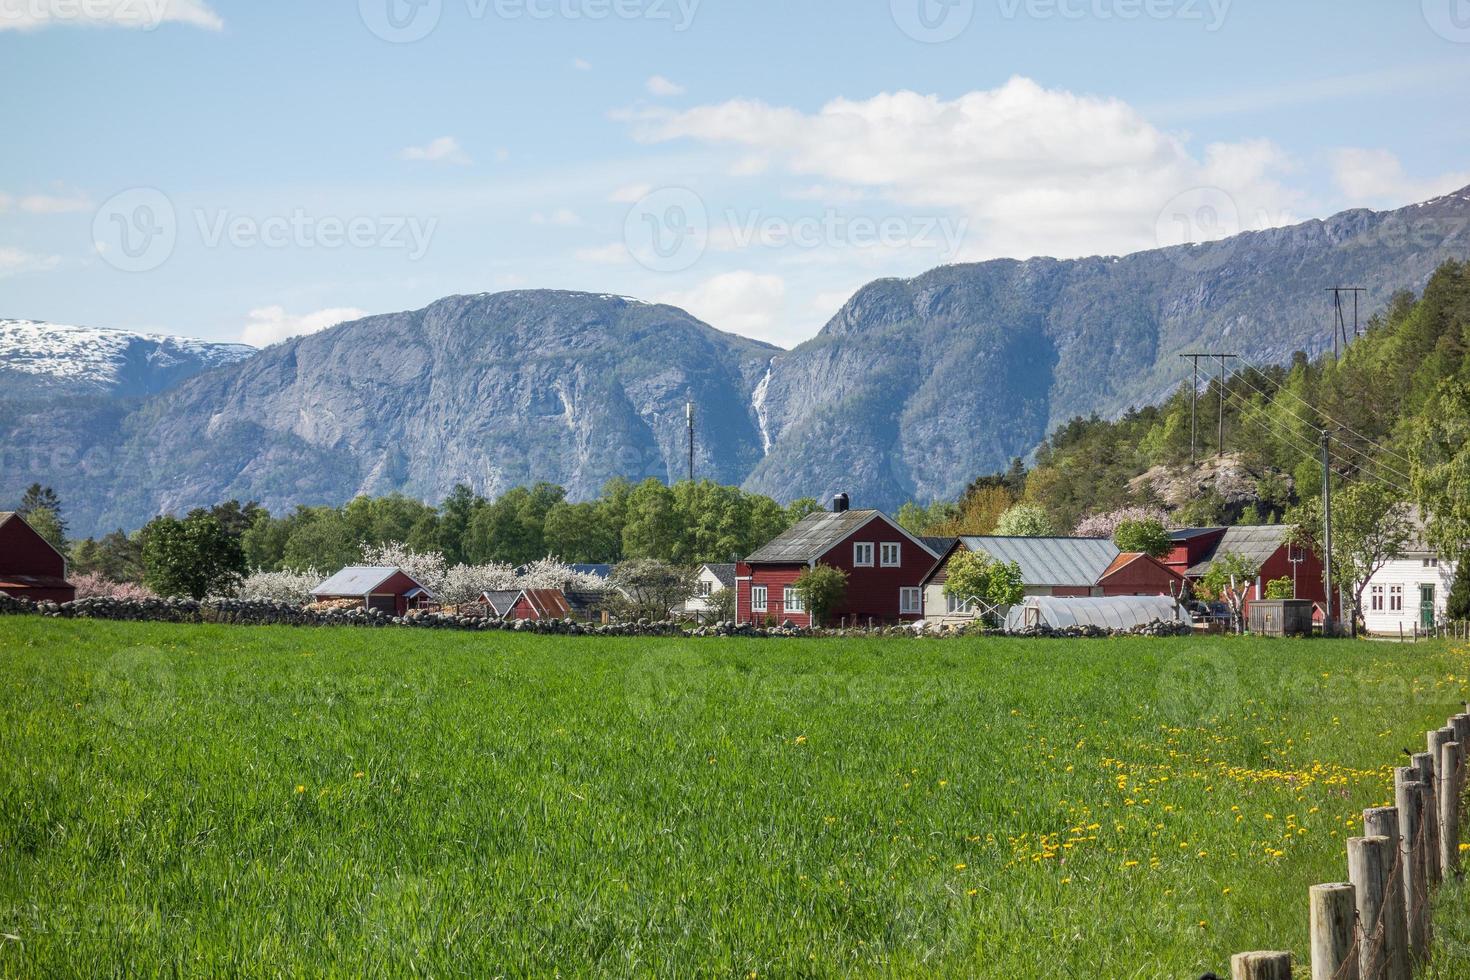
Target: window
(959, 607)
(1376, 599)
(1395, 598)
(890, 555)
(910, 601)
(758, 598)
(791, 599)
(706, 588)
(1431, 563)
(862, 554)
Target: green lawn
(260, 801)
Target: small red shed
(30, 567)
(391, 590)
(1135, 573)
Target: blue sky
(235, 170)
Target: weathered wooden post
(1260, 966)
(1383, 821)
(1333, 909)
(1449, 810)
(1370, 859)
(1408, 795)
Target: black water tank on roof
(839, 503)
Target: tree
(801, 507)
(456, 514)
(1371, 526)
(1280, 588)
(1104, 525)
(973, 575)
(116, 557)
(194, 557)
(1229, 580)
(652, 529)
(1025, 521)
(822, 589)
(45, 522)
(1147, 535)
(649, 588)
(1440, 471)
(580, 533)
(321, 538)
(1457, 606)
(723, 603)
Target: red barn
(1135, 573)
(885, 567)
(527, 604)
(391, 590)
(30, 568)
(1266, 546)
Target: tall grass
(258, 801)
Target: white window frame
(791, 600)
(706, 588)
(906, 608)
(859, 550)
(955, 606)
(1395, 598)
(883, 551)
(760, 598)
(1375, 598)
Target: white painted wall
(697, 605)
(1408, 574)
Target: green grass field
(260, 801)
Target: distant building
(30, 568)
(885, 567)
(1267, 547)
(1410, 591)
(712, 580)
(1050, 566)
(391, 590)
(1137, 574)
(532, 604)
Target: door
(1426, 606)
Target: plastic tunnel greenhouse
(1122, 612)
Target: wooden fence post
(1370, 860)
(1461, 726)
(1333, 910)
(1449, 810)
(1260, 966)
(1408, 795)
(1383, 821)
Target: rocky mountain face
(47, 359)
(917, 386)
(910, 391)
(494, 391)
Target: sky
(249, 171)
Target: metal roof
(357, 580)
(1069, 562)
(939, 545)
(818, 533)
(501, 602)
(724, 572)
(1254, 542)
(601, 571)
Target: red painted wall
(396, 585)
(872, 593)
(1194, 550)
(1308, 577)
(1141, 577)
(24, 552)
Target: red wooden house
(391, 590)
(1135, 573)
(1266, 546)
(885, 567)
(30, 568)
(533, 604)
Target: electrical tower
(689, 417)
(1194, 405)
(1339, 328)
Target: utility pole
(689, 417)
(1327, 624)
(1194, 411)
(1339, 328)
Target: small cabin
(389, 590)
(30, 567)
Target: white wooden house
(712, 579)
(1409, 592)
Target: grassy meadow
(213, 800)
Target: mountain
(493, 390)
(911, 390)
(44, 359)
(917, 386)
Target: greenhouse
(1124, 612)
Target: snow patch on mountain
(92, 359)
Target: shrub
(91, 585)
(822, 589)
(291, 587)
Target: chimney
(839, 504)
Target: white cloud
(54, 204)
(748, 303)
(1376, 177)
(561, 217)
(445, 149)
(662, 87)
(26, 15)
(631, 193)
(752, 165)
(615, 253)
(13, 262)
(272, 324)
(1034, 170)
(581, 64)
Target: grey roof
(1254, 542)
(601, 571)
(818, 533)
(502, 602)
(724, 572)
(357, 580)
(939, 545)
(1070, 562)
